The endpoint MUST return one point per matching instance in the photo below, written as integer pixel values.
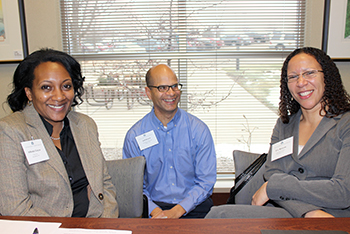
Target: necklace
(55, 139)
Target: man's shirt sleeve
(205, 172)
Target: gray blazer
(318, 177)
(43, 189)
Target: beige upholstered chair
(127, 177)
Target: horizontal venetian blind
(228, 54)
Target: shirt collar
(172, 123)
(49, 127)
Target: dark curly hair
(335, 99)
(24, 76)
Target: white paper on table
(27, 227)
(89, 231)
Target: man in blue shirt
(180, 156)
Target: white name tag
(282, 148)
(147, 140)
(35, 151)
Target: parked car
(210, 43)
(87, 47)
(96, 47)
(259, 37)
(128, 47)
(284, 42)
(157, 44)
(193, 44)
(237, 40)
(210, 40)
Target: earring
(292, 99)
(29, 103)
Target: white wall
(6, 72)
(44, 30)
(43, 24)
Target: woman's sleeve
(297, 208)
(15, 199)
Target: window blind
(227, 54)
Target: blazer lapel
(38, 131)
(323, 127)
(293, 130)
(80, 135)
(88, 156)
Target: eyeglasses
(307, 75)
(165, 88)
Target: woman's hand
(260, 197)
(318, 214)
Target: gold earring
(29, 102)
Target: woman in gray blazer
(50, 158)
(308, 167)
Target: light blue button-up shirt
(181, 169)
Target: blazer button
(100, 196)
(301, 170)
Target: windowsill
(224, 183)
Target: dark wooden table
(193, 226)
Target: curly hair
(335, 99)
(24, 76)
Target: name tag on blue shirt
(147, 140)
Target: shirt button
(171, 167)
(70, 178)
(172, 183)
(169, 149)
(100, 196)
(301, 170)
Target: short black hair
(24, 76)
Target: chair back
(242, 160)
(127, 177)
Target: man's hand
(318, 214)
(174, 213)
(260, 197)
(157, 212)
